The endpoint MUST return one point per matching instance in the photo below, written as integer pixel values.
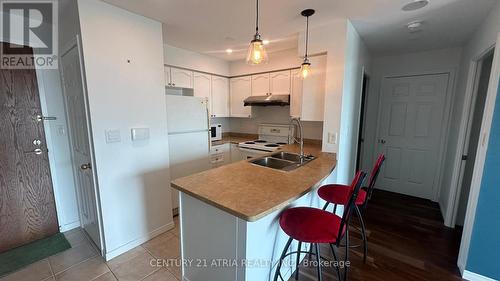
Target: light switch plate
(332, 138)
(113, 135)
(138, 134)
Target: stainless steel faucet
(301, 141)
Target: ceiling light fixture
(256, 51)
(229, 51)
(305, 68)
(265, 42)
(415, 5)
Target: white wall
(405, 64)
(133, 177)
(482, 39)
(357, 59)
(192, 60)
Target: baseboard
(137, 242)
(69, 226)
(471, 276)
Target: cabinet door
(181, 78)
(280, 83)
(296, 94)
(220, 96)
(240, 89)
(167, 76)
(313, 91)
(202, 86)
(260, 84)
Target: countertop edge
(257, 216)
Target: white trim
(137, 242)
(471, 276)
(480, 158)
(69, 226)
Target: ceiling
(211, 27)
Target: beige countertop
(251, 192)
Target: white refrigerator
(188, 138)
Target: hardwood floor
(406, 241)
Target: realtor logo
(29, 33)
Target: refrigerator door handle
(209, 129)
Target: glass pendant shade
(305, 69)
(256, 52)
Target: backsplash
(272, 114)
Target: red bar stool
(311, 225)
(338, 194)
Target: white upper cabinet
(176, 77)
(308, 95)
(280, 82)
(202, 86)
(260, 84)
(240, 89)
(220, 96)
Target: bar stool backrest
(374, 176)
(349, 208)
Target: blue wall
(484, 253)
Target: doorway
(362, 122)
(476, 113)
(27, 204)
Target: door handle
(382, 141)
(36, 151)
(41, 118)
(86, 166)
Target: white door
(241, 88)
(260, 84)
(202, 86)
(79, 135)
(280, 83)
(181, 78)
(411, 125)
(220, 96)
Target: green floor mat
(20, 257)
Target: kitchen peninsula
(229, 216)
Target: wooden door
(202, 86)
(220, 96)
(280, 82)
(80, 146)
(411, 126)
(260, 84)
(241, 88)
(27, 206)
(181, 78)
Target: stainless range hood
(269, 100)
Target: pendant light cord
(257, 19)
(307, 35)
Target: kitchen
(193, 149)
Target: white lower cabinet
(308, 95)
(220, 155)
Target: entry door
(79, 136)
(27, 207)
(410, 130)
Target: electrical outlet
(332, 138)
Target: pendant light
(256, 51)
(305, 68)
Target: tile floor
(82, 262)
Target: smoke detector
(415, 5)
(414, 26)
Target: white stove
(272, 137)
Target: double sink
(284, 161)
